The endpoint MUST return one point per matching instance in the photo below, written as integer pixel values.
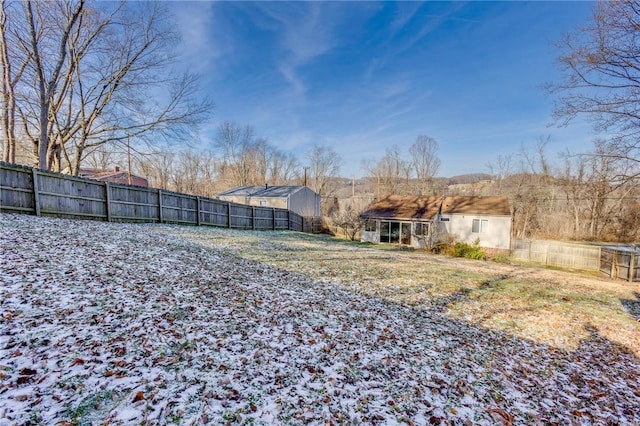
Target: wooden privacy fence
(619, 263)
(29, 190)
(616, 263)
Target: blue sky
(361, 77)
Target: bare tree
(209, 184)
(425, 163)
(588, 197)
(501, 169)
(187, 172)
(324, 165)
(348, 219)
(595, 191)
(530, 192)
(250, 160)
(158, 168)
(102, 157)
(235, 143)
(283, 168)
(10, 79)
(626, 227)
(601, 64)
(47, 80)
(392, 173)
(261, 155)
(99, 75)
(194, 173)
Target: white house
(298, 199)
(419, 221)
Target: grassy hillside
(156, 324)
(552, 307)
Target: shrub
(469, 251)
(446, 247)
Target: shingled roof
(404, 207)
(489, 205)
(427, 207)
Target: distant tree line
(237, 157)
(413, 172)
(579, 197)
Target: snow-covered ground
(122, 324)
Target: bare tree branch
(601, 65)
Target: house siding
(305, 202)
(449, 217)
(417, 241)
(280, 203)
(300, 200)
(370, 236)
(460, 227)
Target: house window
(390, 232)
(384, 232)
(444, 219)
(422, 229)
(370, 225)
(479, 226)
(263, 203)
(406, 233)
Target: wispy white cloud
(408, 28)
(306, 31)
(297, 141)
(205, 41)
(404, 13)
(294, 71)
(288, 71)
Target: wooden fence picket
(29, 190)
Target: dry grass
(553, 307)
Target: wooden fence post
(614, 261)
(198, 210)
(229, 215)
(632, 262)
(36, 192)
(160, 205)
(273, 216)
(107, 197)
(289, 220)
(253, 218)
(546, 254)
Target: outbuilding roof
(427, 207)
(262, 191)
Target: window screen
(479, 226)
(370, 225)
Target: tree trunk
(47, 87)
(8, 97)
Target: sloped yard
(156, 324)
